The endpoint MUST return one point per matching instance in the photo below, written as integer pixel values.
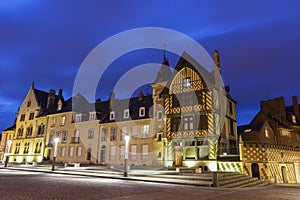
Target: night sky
(46, 42)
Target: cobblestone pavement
(36, 185)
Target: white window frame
(134, 131)
(126, 114)
(112, 152)
(71, 151)
(112, 115)
(142, 112)
(78, 117)
(145, 151)
(92, 116)
(63, 151)
(63, 120)
(79, 151)
(145, 131)
(133, 152)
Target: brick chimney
(274, 108)
(51, 99)
(111, 99)
(296, 107)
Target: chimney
(51, 99)
(141, 96)
(98, 100)
(111, 99)
(32, 85)
(60, 92)
(296, 107)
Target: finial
(32, 85)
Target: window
(124, 131)
(145, 152)
(112, 155)
(17, 150)
(41, 129)
(29, 103)
(186, 82)
(59, 105)
(26, 147)
(230, 108)
(285, 133)
(267, 134)
(63, 151)
(145, 131)
(113, 133)
(31, 116)
(89, 154)
(159, 115)
(126, 114)
(203, 124)
(20, 131)
(133, 151)
(134, 131)
(79, 151)
(63, 120)
(294, 119)
(78, 117)
(104, 134)
(112, 115)
(188, 124)
(29, 131)
(175, 124)
(142, 112)
(64, 137)
(159, 137)
(53, 121)
(71, 151)
(92, 116)
(90, 133)
(22, 118)
(57, 134)
(122, 152)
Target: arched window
(20, 131)
(29, 131)
(41, 129)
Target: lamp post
(127, 138)
(9, 142)
(56, 140)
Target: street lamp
(9, 142)
(56, 140)
(127, 138)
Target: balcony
(75, 140)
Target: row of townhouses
(187, 121)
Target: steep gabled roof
(250, 127)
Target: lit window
(126, 113)
(92, 116)
(63, 120)
(285, 133)
(78, 117)
(112, 115)
(145, 131)
(267, 134)
(294, 119)
(142, 112)
(186, 82)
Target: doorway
(102, 154)
(284, 174)
(255, 170)
(178, 156)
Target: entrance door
(178, 156)
(102, 154)
(284, 174)
(255, 170)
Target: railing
(75, 140)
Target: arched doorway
(284, 174)
(255, 170)
(102, 154)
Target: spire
(164, 72)
(32, 85)
(217, 60)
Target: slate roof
(252, 127)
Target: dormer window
(186, 82)
(78, 117)
(126, 114)
(112, 115)
(142, 112)
(92, 116)
(267, 133)
(294, 119)
(59, 105)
